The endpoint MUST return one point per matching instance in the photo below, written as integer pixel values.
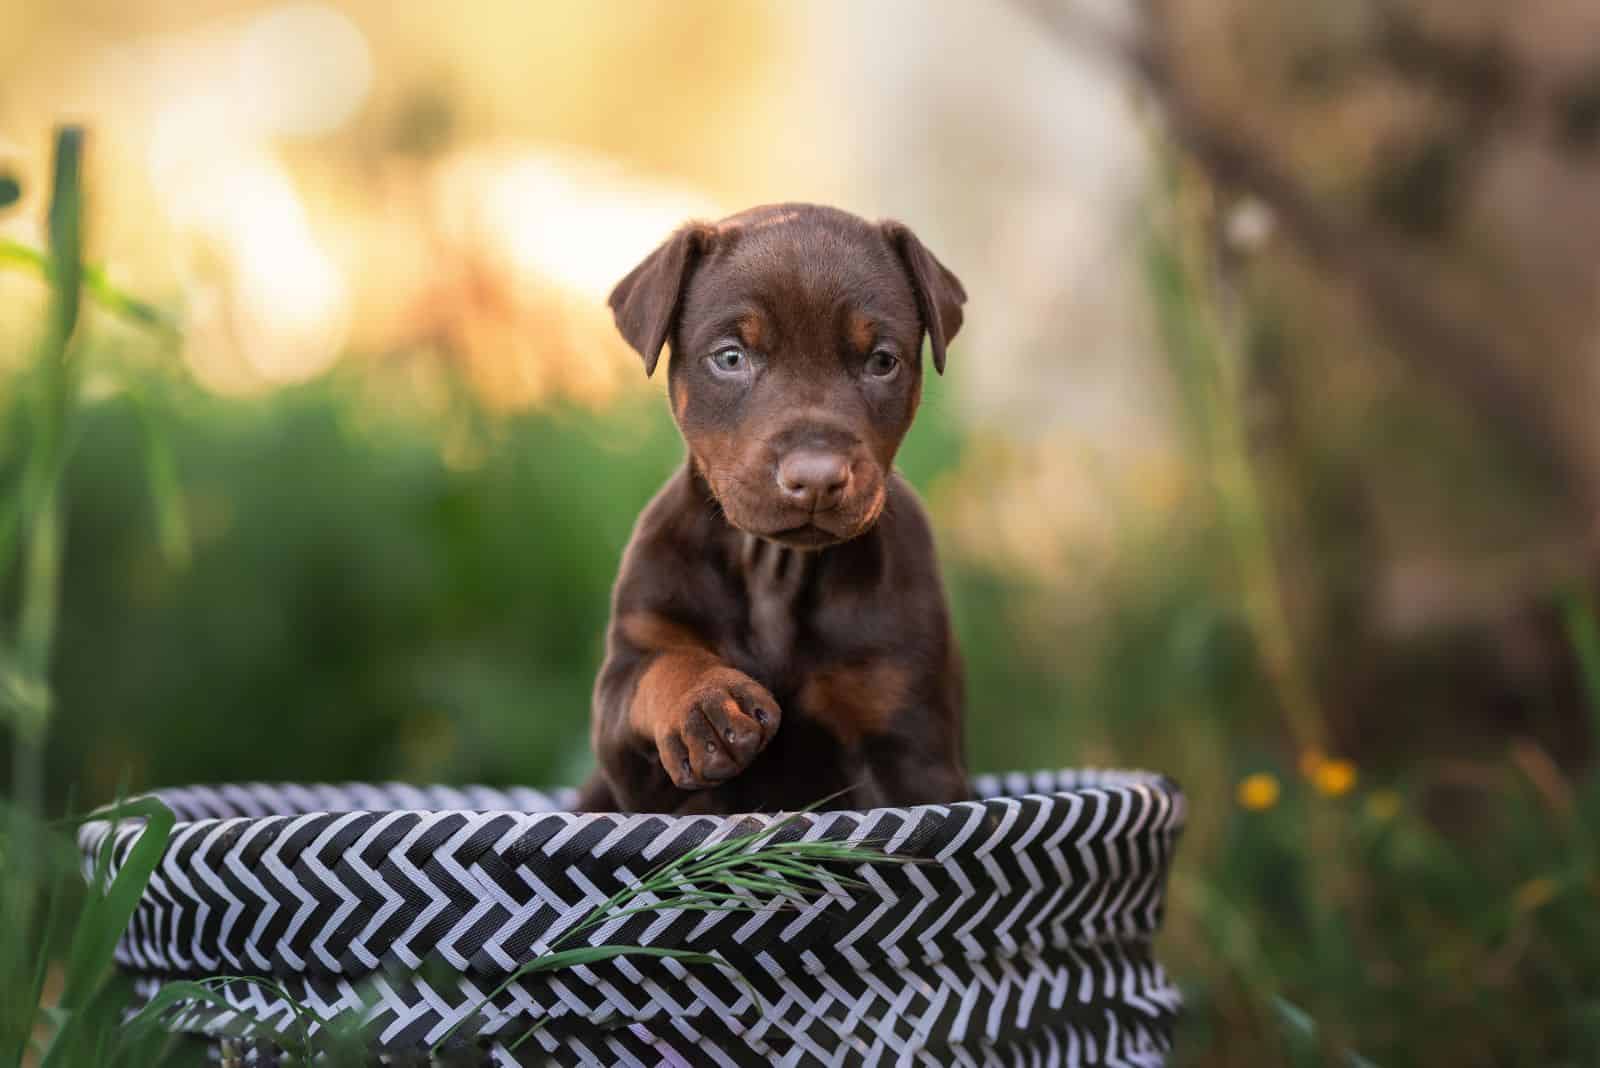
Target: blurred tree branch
(1420, 313)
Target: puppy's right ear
(645, 303)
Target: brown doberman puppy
(778, 631)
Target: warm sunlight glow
(284, 302)
(578, 222)
(302, 69)
(269, 304)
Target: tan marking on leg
(652, 633)
(671, 676)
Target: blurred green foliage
(368, 593)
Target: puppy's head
(796, 367)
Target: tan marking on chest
(856, 700)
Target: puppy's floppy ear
(645, 303)
(939, 293)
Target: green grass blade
(170, 996)
(66, 230)
(1583, 631)
(161, 476)
(305, 1020)
(571, 958)
(106, 916)
(52, 927)
(95, 282)
(1301, 1031)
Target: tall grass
(60, 1000)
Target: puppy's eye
(730, 361)
(883, 364)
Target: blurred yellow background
(382, 177)
(387, 182)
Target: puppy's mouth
(805, 536)
(776, 522)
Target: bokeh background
(1268, 456)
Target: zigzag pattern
(1100, 1005)
(1021, 931)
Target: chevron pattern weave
(1020, 934)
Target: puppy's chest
(809, 637)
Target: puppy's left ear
(645, 303)
(939, 293)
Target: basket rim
(344, 889)
(325, 798)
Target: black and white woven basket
(1022, 935)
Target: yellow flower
(1535, 893)
(1383, 806)
(1258, 792)
(1334, 778)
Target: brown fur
(856, 700)
(768, 649)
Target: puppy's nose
(813, 480)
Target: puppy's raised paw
(716, 729)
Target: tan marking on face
(862, 331)
(680, 400)
(750, 331)
(717, 455)
(880, 498)
(652, 633)
(856, 700)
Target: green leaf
(170, 996)
(81, 1025)
(96, 283)
(161, 474)
(1301, 1030)
(106, 914)
(571, 958)
(52, 927)
(1583, 632)
(66, 229)
(25, 698)
(305, 1021)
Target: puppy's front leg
(672, 716)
